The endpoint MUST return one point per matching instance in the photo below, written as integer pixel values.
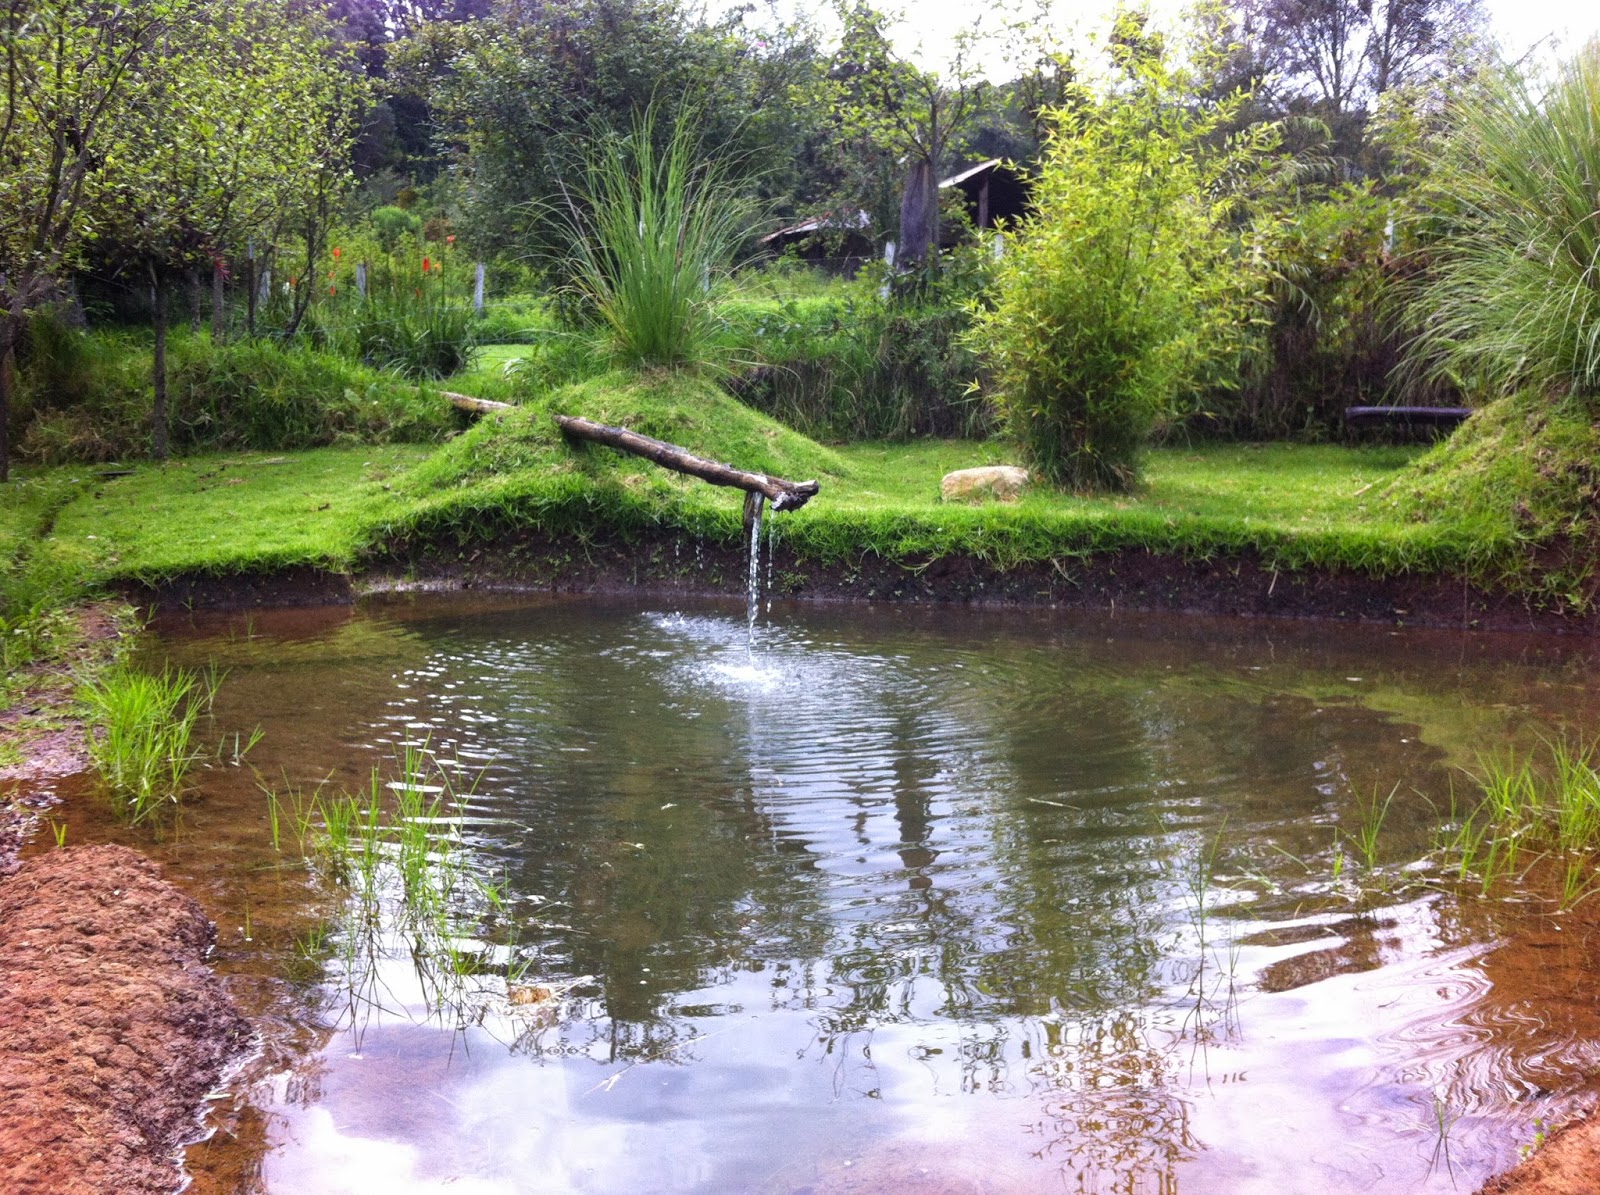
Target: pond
(892, 900)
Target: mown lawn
(247, 511)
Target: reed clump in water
(1538, 821)
(141, 737)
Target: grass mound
(513, 470)
(1520, 484)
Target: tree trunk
(219, 315)
(784, 495)
(158, 372)
(919, 215)
(196, 300)
(8, 338)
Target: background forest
(272, 223)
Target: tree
(888, 109)
(1335, 58)
(243, 119)
(72, 70)
(509, 92)
(1131, 284)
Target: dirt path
(112, 1028)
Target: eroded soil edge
(112, 1026)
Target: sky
(1519, 25)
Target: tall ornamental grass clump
(1512, 300)
(653, 227)
(1129, 289)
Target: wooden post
(784, 495)
(219, 310)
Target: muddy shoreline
(113, 1028)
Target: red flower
(293, 282)
(336, 253)
(333, 290)
(450, 240)
(426, 265)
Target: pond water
(897, 900)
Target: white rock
(1002, 482)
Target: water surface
(897, 901)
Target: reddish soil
(1567, 1164)
(38, 724)
(112, 1027)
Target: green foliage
(845, 364)
(1130, 289)
(393, 225)
(510, 97)
(652, 229)
(1535, 817)
(1512, 296)
(1326, 339)
(1519, 485)
(85, 398)
(141, 729)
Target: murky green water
(904, 901)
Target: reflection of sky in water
(909, 910)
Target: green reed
(141, 737)
(1538, 814)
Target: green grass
(234, 513)
(1518, 484)
(1298, 505)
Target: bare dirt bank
(112, 1026)
(1130, 579)
(1567, 1164)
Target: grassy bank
(1384, 511)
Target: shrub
(1512, 298)
(652, 230)
(1129, 287)
(90, 399)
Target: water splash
(772, 552)
(753, 586)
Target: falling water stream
(1011, 903)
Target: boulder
(1000, 482)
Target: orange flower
(336, 253)
(451, 239)
(293, 281)
(426, 265)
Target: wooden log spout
(784, 495)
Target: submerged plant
(1531, 817)
(141, 737)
